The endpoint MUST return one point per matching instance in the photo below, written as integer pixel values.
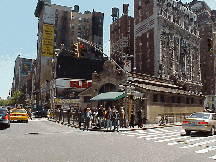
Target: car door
(214, 119)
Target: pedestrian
(104, 114)
(115, 117)
(87, 118)
(139, 116)
(122, 117)
(132, 117)
(100, 116)
(109, 118)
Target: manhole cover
(33, 134)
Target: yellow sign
(48, 36)
(47, 51)
(67, 101)
(48, 29)
(48, 40)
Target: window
(87, 99)
(87, 20)
(72, 33)
(128, 29)
(79, 26)
(72, 19)
(178, 100)
(79, 34)
(99, 25)
(100, 19)
(80, 19)
(71, 41)
(187, 100)
(147, 44)
(162, 98)
(84, 27)
(192, 101)
(155, 98)
(72, 26)
(173, 99)
(147, 34)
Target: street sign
(127, 65)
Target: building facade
(167, 42)
(156, 96)
(206, 24)
(122, 37)
(58, 28)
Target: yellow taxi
(19, 114)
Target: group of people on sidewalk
(111, 117)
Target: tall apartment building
(122, 36)
(22, 67)
(206, 22)
(207, 27)
(59, 26)
(167, 42)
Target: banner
(48, 40)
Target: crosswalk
(200, 144)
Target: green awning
(108, 96)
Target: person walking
(122, 117)
(139, 116)
(109, 118)
(87, 117)
(132, 119)
(100, 116)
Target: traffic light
(75, 49)
(81, 47)
(210, 44)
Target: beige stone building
(155, 96)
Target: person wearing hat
(87, 117)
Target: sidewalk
(145, 126)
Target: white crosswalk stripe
(199, 144)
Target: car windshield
(199, 115)
(18, 111)
(2, 111)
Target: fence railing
(173, 117)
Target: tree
(17, 98)
(4, 102)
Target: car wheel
(8, 126)
(187, 132)
(212, 132)
(26, 121)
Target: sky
(19, 26)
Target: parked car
(4, 118)
(200, 121)
(40, 113)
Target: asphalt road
(42, 140)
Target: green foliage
(17, 98)
(4, 102)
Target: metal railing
(173, 117)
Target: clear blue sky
(18, 30)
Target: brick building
(122, 37)
(167, 42)
(207, 27)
